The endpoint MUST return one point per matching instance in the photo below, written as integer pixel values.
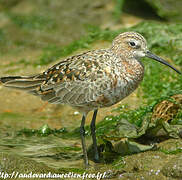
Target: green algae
(19, 116)
(169, 9)
(31, 21)
(176, 151)
(163, 39)
(2, 36)
(134, 120)
(45, 130)
(118, 9)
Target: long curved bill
(153, 56)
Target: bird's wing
(25, 83)
(78, 80)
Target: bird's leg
(92, 127)
(82, 133)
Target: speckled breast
(123, 82)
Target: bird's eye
(132, 43)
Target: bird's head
(133, 45)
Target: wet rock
(142, 175)
(145, 161)
(146, 165)
(130, 147)
(168, 9)
(14, 162)
(173, 168)
(31, 169)
(171, 145)
(152, 164)
(155, 9)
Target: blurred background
(36, 34)
(43, 25)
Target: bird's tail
(26, 83)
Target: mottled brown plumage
(91, 80)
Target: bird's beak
(153, 56)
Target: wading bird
(91, 80)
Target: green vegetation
(6, 115)
(118, 9)
(35, 22)
(45, 130)
(165, 43)
(176, 151)
(39, 34)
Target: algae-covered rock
(163, 119)
(14, 166)
(10, 163)
(150, 165)
(146, 165)
(130, 147)
(154, 9)
(173, 168)
(168, 9)
(171, 146)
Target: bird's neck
(131, 67)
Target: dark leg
(92, 127)
(82, 133)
